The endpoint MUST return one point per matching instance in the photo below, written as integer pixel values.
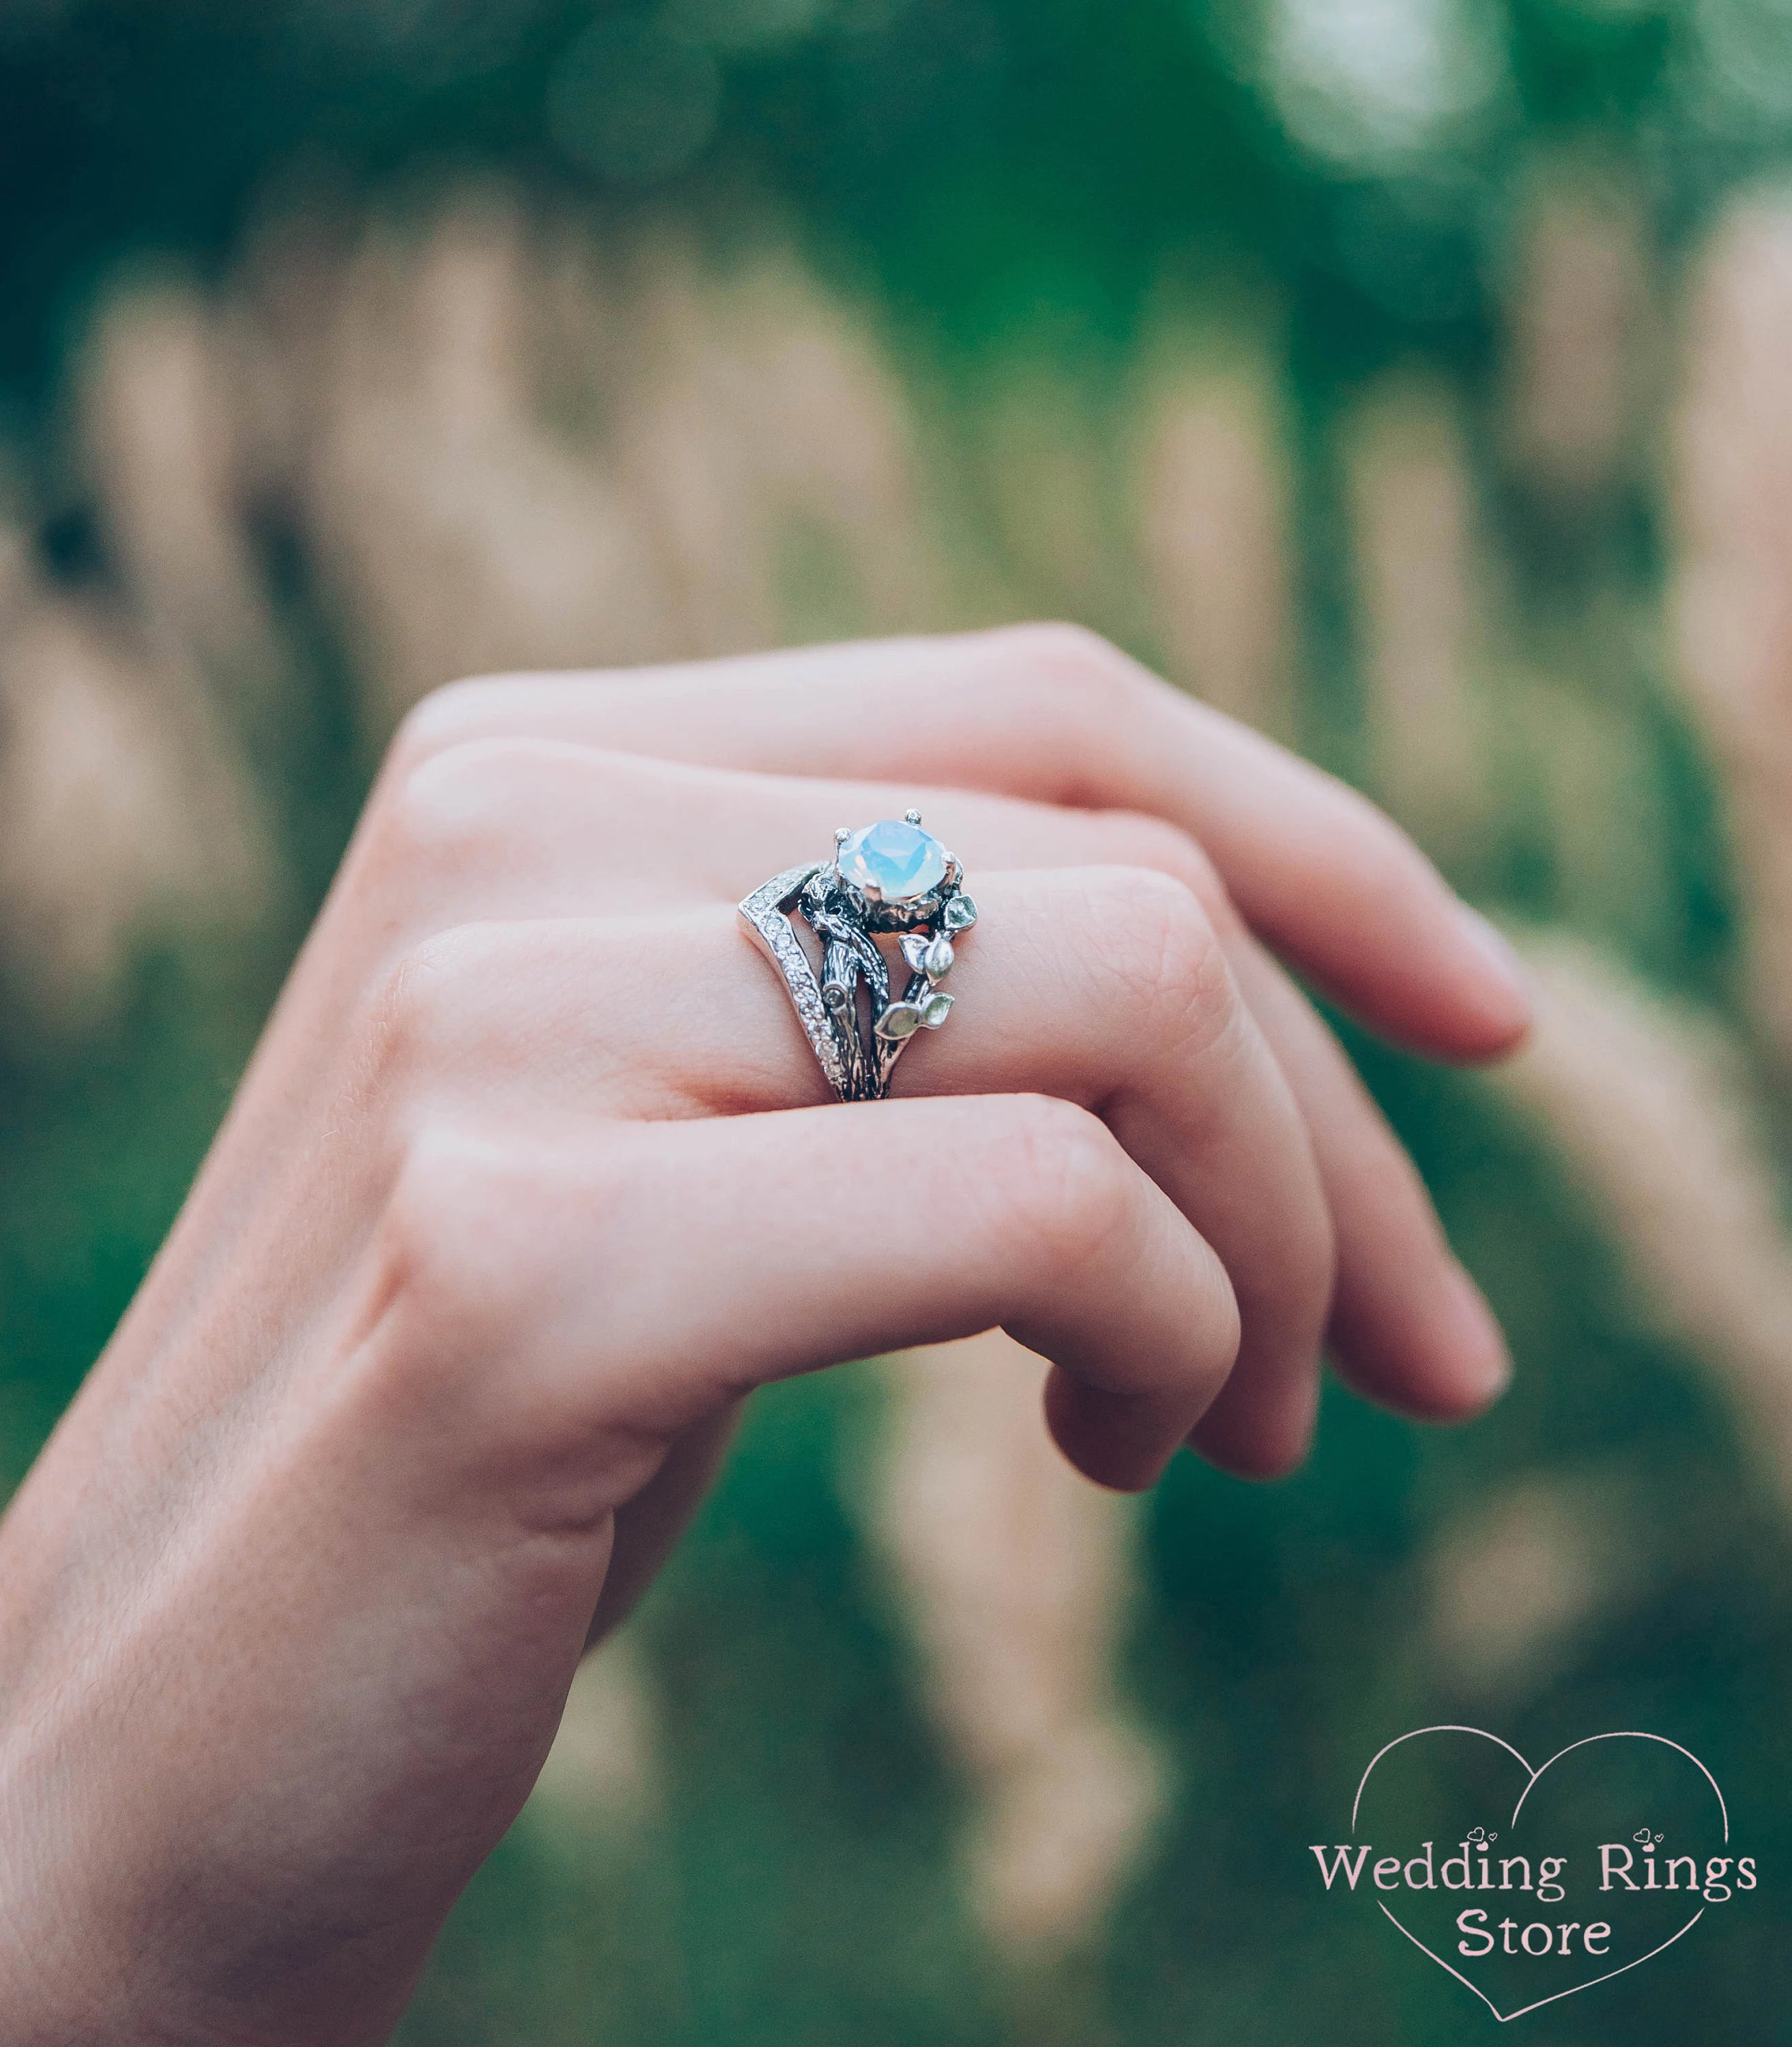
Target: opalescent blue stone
(899, 860)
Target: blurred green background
(1410, 377)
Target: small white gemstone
(894, 859)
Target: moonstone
(898, 860)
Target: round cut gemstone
(899, 861)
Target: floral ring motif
(887, 880)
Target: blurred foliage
(993, 159)
(1009, 181)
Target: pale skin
(533, 1178)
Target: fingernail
(1496, 950)
(1485, 1368)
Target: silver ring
(889, 879)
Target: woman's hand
(534, 1177)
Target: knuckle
(1082, 678)
(1066, 652)
(1067, 1185)
(446, 716)
(475, 1337)
(426, 813)
(441, 1236)
(1161, 946)
(483, 1241)
(466, 1238)
(419, 1008)
(433, 814)
(1141, 841)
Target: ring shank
(858, 1057)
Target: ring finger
(1105, 986)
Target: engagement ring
(889, 880)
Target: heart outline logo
(1532, 1776)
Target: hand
(533, 1177)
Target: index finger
(1054, 714)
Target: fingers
(1408, 1326)
(1018, 1212)
(801, 1239)
(1052, 713)
(507, 828)
(1104, 987)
